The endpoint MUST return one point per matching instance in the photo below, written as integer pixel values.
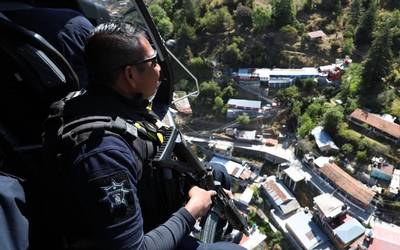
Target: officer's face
(147, 79)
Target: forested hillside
(273, 33)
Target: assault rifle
(185, 162)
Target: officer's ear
(130, 74)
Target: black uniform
(104, 193)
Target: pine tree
(283, 12)
(377, 63)
(364, 30)
(338, 7)
(355, 12)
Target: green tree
(347, 148)
(351, 105)
(351, 81)
(361, 156)
(200, 68)
(296, 108)
(283, 12)
(161, 20)
(289, 94)
(367, 24)
(386, 97)
(218, 105)
(315, 110)
(306, 125)
(243, 119)
(190, 11)
(348, 46)
(392, 19)
(355, 11)
(290, 32)
(332, 119)
(243, 17)
(232, 55)
(227, 93)
(168, 6)
(261, 16)
(309, 85)
(377, 64)
(208, 91)
(395, 107)
(217, 21)
(185, 34)
(394, 76)
(338, 7)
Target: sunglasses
(152, 59)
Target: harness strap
(78, 131)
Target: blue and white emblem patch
(115, 194)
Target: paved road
(324, 187)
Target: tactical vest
(160, 190)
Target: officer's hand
(199, 202)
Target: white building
(276, 78)
(237, 107)
(395, 183)
(305, 231)
(323, 140)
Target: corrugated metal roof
(349, 231)
(347, 183)
(377, 122)
(294, 174)
(380, 174)
(323, 139)
(305, 230)
(280, 195)
(328, 205)
(321, 161)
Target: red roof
(377, 122)
(347, 183)
(385, 238)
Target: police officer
(103, 182)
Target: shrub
(361, 156)
(347, 148)
(289, 31)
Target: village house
(351, 188)
(279, 197)
(381, 170)
(316, 35)
(301, 227)
(237, 107)
(324, 141)
(331, 215)
(378, 125)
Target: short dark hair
(110, 47)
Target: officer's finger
(212, 192)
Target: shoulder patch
(115, 197)
(115, 194)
